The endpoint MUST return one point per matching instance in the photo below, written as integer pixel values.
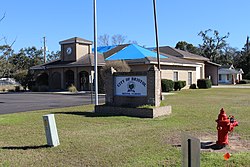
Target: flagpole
(156, 36)
(95, 54)
(157, 48)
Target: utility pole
(95, 54)
(44, 49)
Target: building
(206, 68)
(142, 59)
(229, 75)
(76, 64)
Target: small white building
(229, 75)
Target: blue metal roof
(103, 49)
(133, 51)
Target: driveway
(20, 102)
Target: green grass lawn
(90, 140)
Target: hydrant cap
(222, 115)
(222, 111)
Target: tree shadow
(87, 114)
(24, 147)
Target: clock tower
(74, 48)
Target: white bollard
(51, 130)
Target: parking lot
(20, 102)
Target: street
(22, 102)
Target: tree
(118, 39)
(212, 46)
(6, 69)
(227, 55)
(103, 40)
(35, 55)
(244, 59)
(53, 56)
(183, 45)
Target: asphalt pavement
(22, 102)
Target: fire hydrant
(224, 125)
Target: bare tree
(0, 21)
(103, 40)
(133, 42)
(118, 39)
(2, 17)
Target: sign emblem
(131, 86)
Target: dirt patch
(237, 143)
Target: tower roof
(76, 40)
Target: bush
(204, 83)
(167, 85)
(178, 85)
(244, 81)
(72, 88)
(193, 86)
(118, 65)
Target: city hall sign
(131, 85)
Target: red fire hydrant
(224, 125)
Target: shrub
(178, 85)
(118, 65)
(167, 85)
(204, 83)
(72, 88)
(192, 86)
(244, 81)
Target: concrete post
(51, 130)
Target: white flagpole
(156, 36)
(95, 54)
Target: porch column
(62, 78)
(75, 77)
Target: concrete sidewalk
(232, 86)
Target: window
(228, 77)
(189, 78)
(175, 76)
(219, 77)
